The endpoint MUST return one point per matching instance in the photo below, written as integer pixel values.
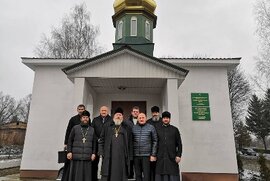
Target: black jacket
(130, 120)
(169, 146)
(98, 124)
(75, 120)
(144, 140)
(104, 145)
(155, 123)
(80, 150)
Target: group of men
(152, 148)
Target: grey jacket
(144, 140)
(80, 150)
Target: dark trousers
(95, 169)
(66, 171)
(131, 169)
(153, 170)
(142, 168)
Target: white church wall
(208, 146)
(151, 100)
(51, 107)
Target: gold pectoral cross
(116, 130)
(83, 140)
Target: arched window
(147, 30)
(120, 30)
(133, 26)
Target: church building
(194, 90)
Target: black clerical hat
(119, 110)
(166, 114)
(155, 109)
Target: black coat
(104, 144)
(169, 146)
(75, 120)
(130, 121)
(98, 124)
(155, 123)
(80, 150)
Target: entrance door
(127, 107)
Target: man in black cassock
(115, 146)
(75, 120)
(98, 123)
(169, 150)
(81, 150)
(155, 120)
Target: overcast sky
(215, 28)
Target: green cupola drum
(134, 21)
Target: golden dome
(149, 5)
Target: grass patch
(9, 171)
(252, 163)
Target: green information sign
(200, 99)
(200, 107)
(201, 113)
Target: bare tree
(24, 108)
(240, 91)
(262, 16)
(75, 38)
(8, 108)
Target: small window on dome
(120, 30)
(147, 30)
(133, 26)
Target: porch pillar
(172, 100)
(79, 91)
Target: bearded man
(155, 120)
(115, 147)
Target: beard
(117, 122)
(155, 118)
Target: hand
(177, 159)
(153, 158)
(69, 156)
(93, 157)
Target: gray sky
(215, 28)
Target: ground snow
(10, 163)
